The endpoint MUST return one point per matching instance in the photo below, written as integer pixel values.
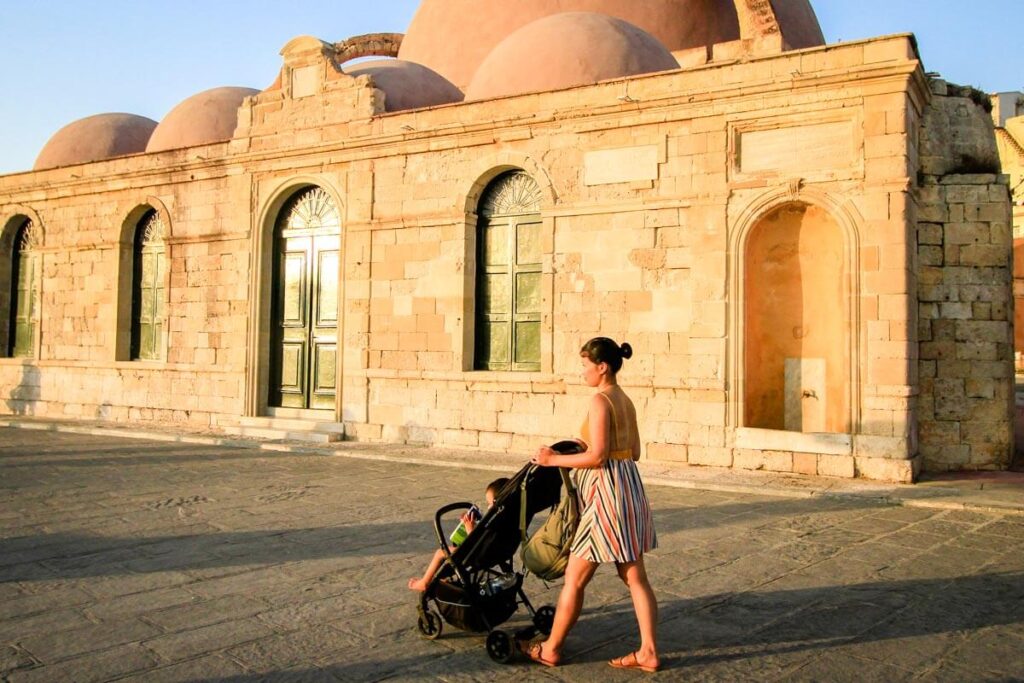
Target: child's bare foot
(417, 585)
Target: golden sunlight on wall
(797, 329)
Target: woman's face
(593, 372)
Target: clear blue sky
(67, 59)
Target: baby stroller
(477, 589)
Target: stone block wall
(965, 287)
(77, 372)
(965, 300)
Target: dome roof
(210, 116)
(453, 37)
(95, 138)
(407, 85)
(565, 50)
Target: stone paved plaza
(131, 560)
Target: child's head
(493, 488)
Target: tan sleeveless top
(614, 453)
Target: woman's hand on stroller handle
(544, 457)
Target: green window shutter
(25, 294)
(508, 292)
(148, 289)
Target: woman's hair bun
(626, 350)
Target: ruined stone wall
(965, 291)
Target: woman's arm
(597, 451)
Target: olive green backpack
(546, 552)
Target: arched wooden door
(304, 333)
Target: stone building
(806, 244)
(1008, 115)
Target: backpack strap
(522, 510)
(570, 489)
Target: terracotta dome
(407, 85)
(453, 37)
(560, 51)
(95, 138)
(210, 116)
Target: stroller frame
(480, 573)
(500, 643)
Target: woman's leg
(634, 575)
(570, 601)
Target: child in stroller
(477, 588)
(468, 521)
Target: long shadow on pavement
(79, 555)
(719, 632)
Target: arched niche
(797, 321)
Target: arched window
(508, 275)
(24, 292)
(148, 268)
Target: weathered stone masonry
(668, 219)
(965, 290)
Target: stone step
(292, 424)
(275, 434)
(301, 414)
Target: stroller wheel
(500, 646)
(429, 625)
(544, 619)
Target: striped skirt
(615, 517)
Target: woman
(615, 521)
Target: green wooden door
(508, 275)
(23, 342)
(23, 297)
(304, 354)
(148, 290)
(509, 294)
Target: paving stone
(907, 538)
(139, 603)
(97, 666)
(841, 667)
(295, 569)
(117, 583)
(187, 644)
(27, 605)
(208, 668)
(309, 612)
(53, 647)
(311, 643)
(15, 630)
(13, 659)
(204, 612)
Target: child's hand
(468, 520)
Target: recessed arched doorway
(305, 302)
(797, 322)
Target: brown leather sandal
(630, 661)
(535, 651)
